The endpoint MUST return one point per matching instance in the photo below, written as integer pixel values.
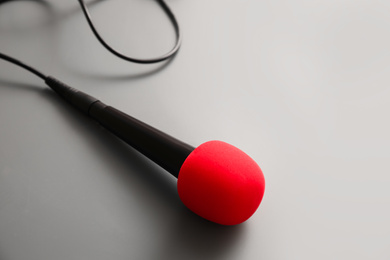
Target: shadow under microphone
(216, 180)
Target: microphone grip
(163, 149)
(74, 96)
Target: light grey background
(302, 86)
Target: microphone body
(163, 149)
(216, 180)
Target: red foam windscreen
(221, 183)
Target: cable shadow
(152, 68)
(42, 2)
(19, 86)
(55, 18)
(140, 71)
(124, 77)
(49, 5)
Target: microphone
(216, 180)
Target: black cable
(108, 47)
(23, 65)
(166, 56)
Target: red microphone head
(221, 183)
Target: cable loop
(166, 56)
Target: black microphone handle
(163, 149)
